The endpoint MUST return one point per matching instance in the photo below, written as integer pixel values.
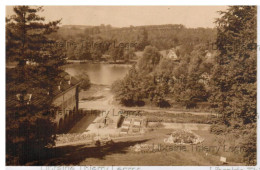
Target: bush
(190, 104)
(218, 129)
(128, 102)
(163, 104)
(85, 81)
(85, 84)
(249, 145)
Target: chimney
(29, 99)
(69, 80)
(18, 96)
(59, 86)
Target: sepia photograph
(131, 85)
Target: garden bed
(183, 137)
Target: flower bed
(78, 137)
(66, 138)
(183, 137)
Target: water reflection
(104, 74)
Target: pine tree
(30, 85)
(234, 77)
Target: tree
(85, 82)
(129, 55)
(150, 59)
(116, 53)
(30, 85)
(144, 40)
(234, 76)
(26, 31)
(129, 90)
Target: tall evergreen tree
(30, 85)
(234, 78)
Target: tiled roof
(65, 84)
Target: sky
(124, 16)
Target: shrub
(218, 129)
(85, 84)
(249, 145)
(163, 103)
(85, 81)
(190, 104)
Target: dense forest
(103, 42)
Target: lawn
(165, 157)
(121, 154)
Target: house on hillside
(209, 57)
(171, 54)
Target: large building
(66, 99)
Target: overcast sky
(123, 16)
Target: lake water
(100, 73)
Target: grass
(178, 117)
(120, 153)
(161, 158)
(200, 156)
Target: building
(172, 55)
(66, 100)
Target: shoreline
(103, 97)
(99, 62)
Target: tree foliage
(31, 84)
(162, 37)
(234, 76)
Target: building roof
(172, 55)
(67, 83)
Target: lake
(99, 73)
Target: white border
(3, 3)
(258, 85)
(132, 2)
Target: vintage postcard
(131, 85)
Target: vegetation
(178, 118)
(225, 77)
(160, 80)
(85, 82)
(179, 65)
(93, 43)
(30, 85)
(234, 76)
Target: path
(105, 102)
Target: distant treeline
(101, 42)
